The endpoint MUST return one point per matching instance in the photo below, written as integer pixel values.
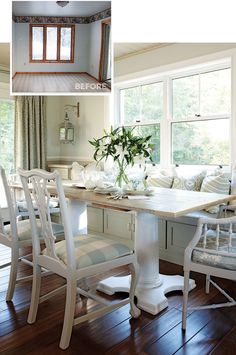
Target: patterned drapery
(30, 132)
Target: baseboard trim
(50, 73)
(93, 77)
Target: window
(200, 118)
(142, 107)
(7, 134)
(188, 115)
(52, 43)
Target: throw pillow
(160, 180)
(217, 184)
(192, 183)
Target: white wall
(95, 48)
(133, 66)
(87, 51)
(20, 51)
(94, 111)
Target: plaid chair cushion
(214, 257)
(92, 249)
(24, 229)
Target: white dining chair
(19, 199)
(15, 234)
(74, 258)
(212, 252)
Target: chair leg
(134, 310)
(185, 298)
(71, 290)
(13, 274)
(208, 277)
(35, 294)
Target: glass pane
(65, 50)
(130, 105)
(215, 92)
(185, 97)
(201, 142)
(154, 131)
(51, 46)
(7, 134)
(152, 102)
(37, 43)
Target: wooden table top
(165, 202)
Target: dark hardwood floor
(208, 332)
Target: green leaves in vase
(124, 146)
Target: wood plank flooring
(208, 332)
(54, 83)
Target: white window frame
(165, 124)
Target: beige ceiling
(123, 50)
(5, 54)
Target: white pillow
(76, 171)
(94, 166)
(160, 180)
(216, 184)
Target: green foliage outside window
(196, 140)
(7, 134)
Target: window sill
(52, 61)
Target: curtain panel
(30, 132)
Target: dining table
(152, 286)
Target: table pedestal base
(151, 300)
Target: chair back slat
(230, 236)
(205, 235)
(217, 236)
(41, 197)
(7, 203)
(36, 184)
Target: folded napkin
(138, 197)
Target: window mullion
(58, 43)
(165, 126)
(44, 42)
(199, 94)
(141, 104)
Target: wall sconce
(66, 134)
(66, 131)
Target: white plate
(106, 191)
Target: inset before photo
(61, 46)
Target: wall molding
(63, 20)
(68, 160)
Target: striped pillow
(216, 184)
(160, 180)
